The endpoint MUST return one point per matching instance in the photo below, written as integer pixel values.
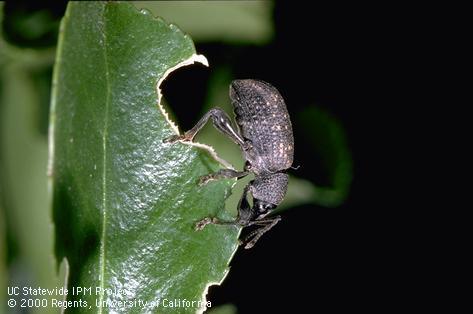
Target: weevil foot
(176, 138)
(204, 222)
(250, 244)
(221, 174)
(203, 180)
(247, 243)
(171, 139)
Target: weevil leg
(264, 222)
(213, 221)
(254, 236)
(221, 174)
(243, 219)
(220, 120)
(245, 215)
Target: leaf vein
(104, 165)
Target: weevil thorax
(270, 188)
(262, 117)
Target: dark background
(364, 65)
(319, 258)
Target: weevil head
(268, 192)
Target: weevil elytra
(265, 137)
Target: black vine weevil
(265, 136)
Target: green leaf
(23, 179)
(24, 159)
(3, 254)
(330, 145)
(125, 204)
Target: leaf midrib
(104, 165)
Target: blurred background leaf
(3, 254)
(32, 24)
(24, 102)
(329, 143)
(236, 22)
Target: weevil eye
(264, 208)
(248, 166)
